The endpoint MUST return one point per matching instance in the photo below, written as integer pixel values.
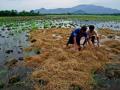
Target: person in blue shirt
(76, 35)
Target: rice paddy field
(33, 55)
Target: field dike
(59, 68)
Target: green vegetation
(16, 13)
(69, 17)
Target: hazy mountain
(58, 11)
(80, 9)
(92, 9)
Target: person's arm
(85, 42)
(86, 39)
(74, 40)
(98, 41)
(97, 36)
(75, 43)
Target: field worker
(75, 37)
(92, 35)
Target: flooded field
(61, 23)
(11, 52)
(15, 37)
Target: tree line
(16, 13)
(32, 13)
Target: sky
(51, 4)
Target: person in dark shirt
(75, 37)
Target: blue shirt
(76, 33)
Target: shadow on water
(107, 78)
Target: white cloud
(35, 4)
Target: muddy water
(12, 53)
(109, 78)
(11, 42)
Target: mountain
(80, 9)
(93, 9)
(58, 11)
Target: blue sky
(36, 4)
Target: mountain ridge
(80, 9)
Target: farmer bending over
(92, 35)
(75, 37)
